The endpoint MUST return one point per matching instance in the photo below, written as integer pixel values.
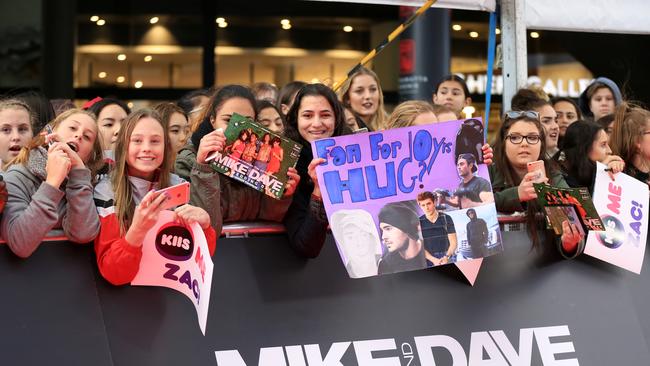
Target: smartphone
(538, 168)
(178, 195)
(50, 131)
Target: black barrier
(56, 309)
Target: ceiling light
(120, 79)
(534, 35)
(121, 57)
(221, 20)
(148, 58)
(138, 84)
(456, 27)
(286, 26)
(468, 111)
(223, 25)
(130, 105)
(94, 18)
(101, 75)
(498, 31)
(285, 21)
(348, 29)
(473, 34)
(154, 20)
(101, 22)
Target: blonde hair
(124, 203)
(378, 121)
(19, 104)
(405, 113)
(630, 122)
(96, 159)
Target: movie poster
(256, 156)
(576, 203)
(409, 198)
(623, 207)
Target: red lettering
(201, 263)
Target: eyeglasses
(518, 139)
(522, 114)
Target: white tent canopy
(484, 5)
(629, 16)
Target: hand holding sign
(311, 170)
(292, 182)
(188, 214)
(210, 143)
(145, 217)
(571, 236)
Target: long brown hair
(378, 121)
(630, 122)
(124, 203)
(94, 162)
(534, 216)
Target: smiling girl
(316, 114)
(362, 94)
(50, 187)
(129, 202)
(227, 199)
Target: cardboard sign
(256, 156)
(623, 207)
(177, 257)
(370, 185)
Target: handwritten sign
(177, 257)
(408, 198)
(623, 206)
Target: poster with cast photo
(256, 156)
(409, 198)
(578, 198)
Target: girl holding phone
(50, 185)
(521, 140)
(129, 201)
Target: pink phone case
(537, 166)
(178, 195)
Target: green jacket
(506, 196)
(236, 201)
(506, 199)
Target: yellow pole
(401, 28)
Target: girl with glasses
(521, 140)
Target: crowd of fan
(94, 172)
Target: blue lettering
(422, 145)
(400, 176)
(321, 148)
(375, 139)
(335, 186)
(374, 190)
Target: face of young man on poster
(394, 238)
(464, 169)
(428, 206)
